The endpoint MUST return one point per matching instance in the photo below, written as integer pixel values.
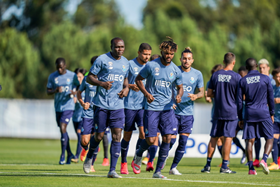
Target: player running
(109, 74)
(160, 75)
(134, 103)
(258, 120)
(192, 79)
(61, 83)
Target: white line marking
(178, 180)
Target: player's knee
(151, 140)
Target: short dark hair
(93, 59)
(80, 70)
(275, 71)
(144, 46)
(229, 58)
(217, 68)
(187, 50)
(155, 56)
(251, 63)
(242, 68)
(116, 38)
(168, 45)
(60, 60)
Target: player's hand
(123, 92)
(134, 87)
(174, 106)
(178, 99)
(208, 99)
(107, 85)
(241, 124)
(193, 97)
(59, 89)
(272, 118)
(150, 98)
(86, 105)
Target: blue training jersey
(276, 94)
(213, 103)
(191, 80)
(77, 115)
(134, 100)
(225, 86)
(68, 81)
(159, 80)
(107, 68)
(258, 94)
(89, 91)
(272, 81)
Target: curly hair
(167, 46)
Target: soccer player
(77, 115)
(87, 115)
(223, 88)
(192, 79)
(160, 75)
(276, 126)
(61, 83)
(258, 120)
(133, 104)
(109, 74)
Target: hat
(263, 61)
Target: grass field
(33, 162)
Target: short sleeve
(50, 82)
(200, 82)
(76, 81)
(83, 85)
(179, 79)
(145, 71)
(211, 82)
(96, 67)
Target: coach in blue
(61, 83)
(258, 120)
(109, 73)
(223, 88)
(160, 75)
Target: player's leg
(257, 145)
(153, 151)
(87, 133)
(238, 144)
(249, 152)
(275, 151)
(220, 146)
(77, 127)
(105, 148)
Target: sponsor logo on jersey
(110, 65)
(187, 88)
(224, 78)
(171, 75)
(96, 127)
(146, 131)
(192, 80)
(161, 83)
(252, 80)
(115, 77)
(156, 71)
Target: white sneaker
(87, 165)
(174, 171)
(113, 174)
(243, 159)
(159, 175)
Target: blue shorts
(162, 120)
(132, 117)
(184, 124)
(276, 128)
(88, 127)
(78, 125)
(258, 129)
(238, 128)
(224, 128)
(64, 117)
(108, 118)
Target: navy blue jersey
(225, 86)
(276, 93)
(259, 101)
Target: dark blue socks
(124, 150)
(265, 156)
(143, 147)
(115, 153)
(64, 142)
(257, 148)
(153, 151)
(208, 163)
(163, 154)
(180, 151)
(224, 164)
(93, 145)
(220, 148)
(79, 147)
(173, 140)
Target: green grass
(33, 162)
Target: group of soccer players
(158, 97)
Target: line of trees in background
(31, 41)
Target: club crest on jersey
(56, 80)
(192, 80)
(171, 75)
(136, 70)
(146, 131)
(68, 81)
(123, 68)
(110, 65)
(96, 127)
(156, 71)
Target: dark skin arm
(142, 88)
(53, 91)
(92, 79)
(200, 94)
(125, 90)
(180, 92)
(210, 93)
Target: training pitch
(34, 162)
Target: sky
(130, 9)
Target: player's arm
(142, 88)
(210, 93)
(125, 90)
(208, 99)
(200, 94)
(133, 87)
(180, 92)
(51, 91)
(270, 100)
(80, 99)
(277, 100)
(93, 80)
